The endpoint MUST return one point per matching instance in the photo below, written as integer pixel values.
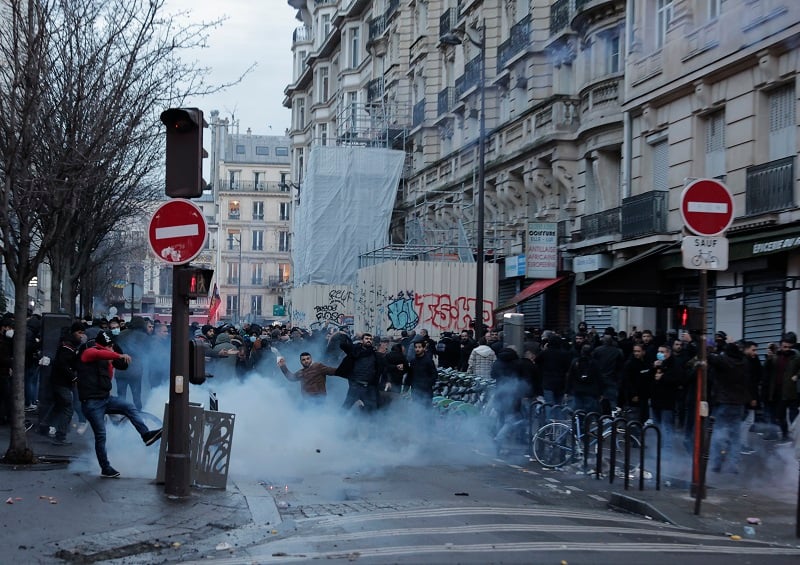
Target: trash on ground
(282, 504)
(755, 521)
(734, 537)
(10, 500)
(749, 531)
(222, 546)
(461, 494)
(176, 544)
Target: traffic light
(184, 152)
(197, 362)
(194, 282)
(689, 318)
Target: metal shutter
(661, 165)
(763, 308)
(597, 316)
(782, 123)
(534, 312)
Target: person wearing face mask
(63, 378)
(663, 393)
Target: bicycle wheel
(553, 445)
(636, 444)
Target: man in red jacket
(95, 372)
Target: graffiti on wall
(401, 312)
(334, 312)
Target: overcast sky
(256, 31)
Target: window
(233, 273)
(255, 305)
(715, 144)
(612, 53)
(660, 151)
(663, 18)
(352, 102)
(782, 123)
(323, 84)
(284, 184)
(232, 305)
(301, 164)
(258, 273)
(262, 150)
(283, 241)
(233, 179)
(258, 240)
(714, 9)
(258, 210)
(234, 237)
(284, 211)
(355, 48)
(323, 134)
(284, 272)
(326, 25)
(233, 210)
(300, 113)
(281, 151)
(240, 149)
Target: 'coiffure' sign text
(541, 253)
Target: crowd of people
(653, 377)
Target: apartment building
(250, 230)
(596, 113)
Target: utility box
(514, 331)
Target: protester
(95, 374)
(312, 376)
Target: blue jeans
(61, 415)
(726, 439)
(134, 383)
(664, 419)
(31, 385)
(95, 410)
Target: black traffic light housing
(689, 318)
(194, 282)
(184, 152)
(197, 362)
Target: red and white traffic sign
(177, 231)
(707, 207)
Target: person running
(312, 377)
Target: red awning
(529, 292)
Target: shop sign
(542, 250)
(589, 263)
(515, 266)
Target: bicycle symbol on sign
(704, 257)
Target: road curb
(632, 505)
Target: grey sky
(256, 31)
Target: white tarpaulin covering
(346, 204)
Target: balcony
(302, 34)
(232, 280)
(601, 97)
(586, 11)
(448, 21)
(377, 26)
(256, 281)
(560, 13)
(559, 113)
(517, 42)
(418, 113)
(248, 186)
(275, 282)
(644, 214)
(600, 224)
(391, 8)
(446, 100)
(770, 187)
(234, 216)
(471, 77)
(375, 89)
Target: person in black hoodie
(553, 361)
(422, 375)
(363, 366)
(730, 394)
(63, 378)
(394, 377)
(584, 383)
(635, 391)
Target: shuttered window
(660, 165)
(763, 308)
(715, 144)
(782, 123)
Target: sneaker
(56, 441)
(82, 428)
(152, 436)
(109, 473)
(51, 432)
(747, 451)
(31, 408)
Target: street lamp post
(451, 38)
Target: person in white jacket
(480, 361)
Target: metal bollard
(599, 451)
(577, 416)
(658, 456)
(616, 425)
(534, 408)
(587, 427)
(628, 427)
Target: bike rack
(642, 450)
(574, 435)
(616, 424)
(587, 422)
(599, 453)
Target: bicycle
(559, 442)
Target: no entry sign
(177, 231)
(707, 207)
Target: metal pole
(177, 465)
(133, 288)
(701, 407)
(239, 293)
(481, 195)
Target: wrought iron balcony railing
(602, 223)
(446, 100)
(518, 41)
(770, 187)
(447, 21)
(560, 12)
(644, 214)
(418, 113)
(377, 26)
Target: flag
(213, 307)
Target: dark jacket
(730, 385)
(609, 361)
(553, 363)
(583, 378)
(65, 366)
(362, 365)
(422, 374)
(664, 391)
(394, 358)
(635, 383)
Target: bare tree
(81, 86)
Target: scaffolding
(374, 124)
